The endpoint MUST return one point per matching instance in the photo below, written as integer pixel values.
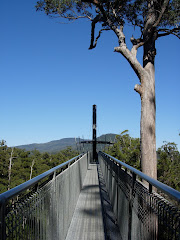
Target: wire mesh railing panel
(45, 212)
(26, 217)
(142, 214)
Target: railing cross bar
(30, 183)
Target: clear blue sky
(50, 80)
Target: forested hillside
(52, 146)
(58, 145)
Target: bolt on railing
(141, 213)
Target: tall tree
(126, 149)
(169, 165)
(154, 19)
(10, 166)
(4, 160)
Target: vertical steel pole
(94, 133)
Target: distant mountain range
(58, 145)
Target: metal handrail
(30, 183)
(152, 182)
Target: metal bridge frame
(140, 212)
(33, 183)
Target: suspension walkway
(85, 200)
(87, 221)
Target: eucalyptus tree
(126, 149)
(152, 19)
(169, 165)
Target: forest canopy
(18, 165)
(127, 149)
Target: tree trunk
(9, 170)
(146, 75)
(33, 161)
(148, 113)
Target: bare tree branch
(136, 44)
(95, 43)
(10, 168)
(33, 161)
(166, 32)
(138, 89)
(93, 24)
(163, 8)
(66, 16)
(130, 56)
